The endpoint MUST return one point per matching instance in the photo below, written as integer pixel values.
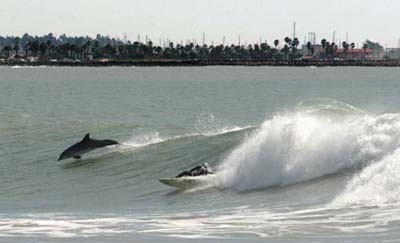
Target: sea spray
(377, 184)
(301, 146)
(207, 125)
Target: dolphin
(85, 146)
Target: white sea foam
(235, 222)
(301, 146)
(147, 139)
(62, 226)
(377, 184)
(144, 140)
(223, 130)
(264, 223)
(206, 125)
(27, 66)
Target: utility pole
(223, 41)
(239, 40)
(204, 38)
(125, 37)
(311, 38)
(333, 36)
(294, 30)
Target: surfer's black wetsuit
(196, 171)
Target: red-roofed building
(354, 54)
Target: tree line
(100, 47)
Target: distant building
(392, 53)
(378, 50)
(33, 59)
(313, 52)
(89, 57)
(16, 57)
(355, 54)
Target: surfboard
(185, 182)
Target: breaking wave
(320, 140)
(147, 139)
(377, 184)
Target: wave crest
(377, 184)
(301, 146)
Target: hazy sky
(188, 19)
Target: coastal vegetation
(82, 48)
(49, 48)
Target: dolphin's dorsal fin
(86, 138)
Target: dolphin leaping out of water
(85, 146)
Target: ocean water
(300, 154)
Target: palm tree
(86, 48)
(49, 47)
(264, 48)
(276, 43)
(34, 47)
(43, 49)
(64, 50)
(121, 50)
(286, 50)
(27, 47)
(110, 51)
(288, 41)
(16, 45)
(365, 47)
(352, 46)
(309, 47)
(73, 50)
(323, 43)
(295, 43)
(7, 50)
(96, 49)
(345, 47)
(269, 53)
(331, 49)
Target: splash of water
(377, 184)
(301, 146)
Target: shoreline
(172, 63)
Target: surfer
(199, 170)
